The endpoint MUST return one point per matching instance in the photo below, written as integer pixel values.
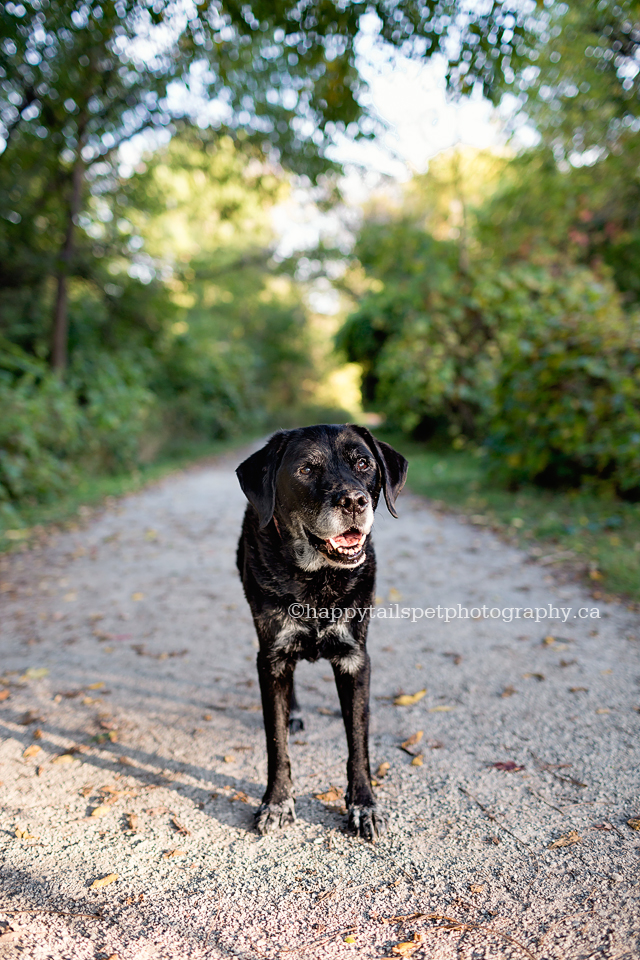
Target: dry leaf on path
(24, 834)
(332, 795)
(569, 838)
(101, 810)
(408, 699)
(104, 881)
(132, 821)
(173, 853)
(442, 708)
(4, 695)
(35, 673)
(509, 766)
(383, 770)
(476, 887)
(508, 691)
(634, 823)
(417, 761)
(63, 758)
(31, 751)
(180, 828)
(412, 740)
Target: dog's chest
(314, 636)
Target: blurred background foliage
(489, 307)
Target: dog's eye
(362, 463)
(305, 470)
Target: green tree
(79, 77)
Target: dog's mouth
(345, 548)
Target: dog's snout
(354, 501)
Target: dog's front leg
(276, 683)
(353, 690)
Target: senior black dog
(305, 550)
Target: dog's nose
(354, 501)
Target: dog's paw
(271, 817)
(367, 822)
(296, 723)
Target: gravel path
(133, 745)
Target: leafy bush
(567, 403)
(40, 433)
(49, 429)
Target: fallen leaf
(508, 691)
(24, 834)
(565, 841)
(476, 887)
(332, 795)
(37, 734)
(137, 596)
(241, 796)
(440, 709)
(508, 765)
(408, 699)
(634, 823)
(603, 710)
(96, 686)
(70, 597)
(394, 594)
(229, 758)
(407, 948)
(417, 761)
(326, 712)
(156, 811)
(31, 751)
(35, 673)
(207, 716)
(578, 690)
(132, 821)
(412, 740)
(180, 828)
(63, 758)
(533, 676)
(383, 770)
(100, 810)
(350, 939)
(173, 853)
(104, 881)
(4, 695)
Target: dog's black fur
(306, 540)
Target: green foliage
(430, 334)
(538, 360)
(567, 404)
(50, 430)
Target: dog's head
(323, 484)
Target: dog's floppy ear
(257, 476)
(392, 465)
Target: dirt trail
(150, 712)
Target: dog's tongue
(346, 539)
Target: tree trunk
(59, 344)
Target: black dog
(305, 556)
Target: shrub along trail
(132, 756)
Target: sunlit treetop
(88, 75)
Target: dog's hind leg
(296, 723)
(276, 686)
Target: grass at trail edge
(599, 536)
